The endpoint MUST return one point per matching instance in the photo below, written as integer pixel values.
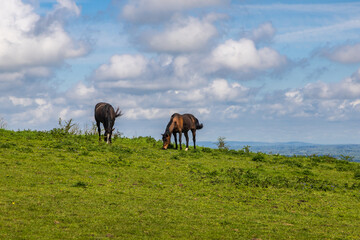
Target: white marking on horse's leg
(186, 149)
(108, 138)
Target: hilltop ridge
(57, 185)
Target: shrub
(246, 149)
(3, 123)
(259, 157)
(346, 158)
(321, 159)
(206, 149)
(222, 145)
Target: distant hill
(295, 148)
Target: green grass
(61, 186)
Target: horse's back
(188, 121)
(100, 110)
(191, 122)
(100, 105)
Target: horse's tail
(118, 113)
(197, 124)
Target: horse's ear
(112, 129)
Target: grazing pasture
(56, 185)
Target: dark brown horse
(105, 114)
(181, 124)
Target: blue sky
(270, 71)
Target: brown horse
(181, 124)
(105, 114)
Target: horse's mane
(167, 130)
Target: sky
(272, 71)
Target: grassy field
(61, 186)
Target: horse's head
(166, 140)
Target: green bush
(259, 157)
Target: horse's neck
(170, 127)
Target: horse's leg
(180, 133)
(99, 129)
(194, 137)
(109, 137)
(187, 140)
(176, 146)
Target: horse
(181, 124)
(105, 114)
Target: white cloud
(348, 88)
(344, 54)
(69, 5)
(21, 43)
(265, 32)
(40, 101)
(21, 101)
(34, 116)
(68, 113)
(138, 74)
(328, 101)
(10, 77)
(233, 111)
(82, 91)
(183, 35)
(243, 56)
(155, 10)
(122, 67)
(221, 90)
(294, 96)
(148, 113)
(355, 103)
(216, 92)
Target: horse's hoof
(186, 149)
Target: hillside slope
(60, 186)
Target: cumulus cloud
(21, 45)
(265, 32)
(216, 92)
(344, 54)
(81, 91)
(138, 74)
(203, 100)
(21, 101)
(183, 35)
(348, 88)
(69, 5)
(221, 90)
(330, 101)
(122, 67)
(31, 47)
(155, 10)
(149, 113)
(243, 56)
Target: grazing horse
(105, 114)
(181, 124)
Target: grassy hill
(60, 186)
